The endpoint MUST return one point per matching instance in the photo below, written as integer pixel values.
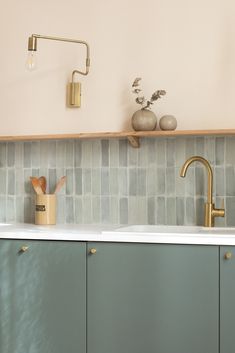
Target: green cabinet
(227, 299)
(152, 298)
(42, 297)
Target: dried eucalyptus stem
(141, 99)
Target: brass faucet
(210, 212)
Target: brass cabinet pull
(228, 255)
(92, 251)
(24, 248)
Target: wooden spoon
(36, 185)
(43, 183)
(60, 184)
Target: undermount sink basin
(179, 230)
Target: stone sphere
(168, 122)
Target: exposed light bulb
(31, 63)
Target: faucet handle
(219, 212)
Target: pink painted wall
(185, 47)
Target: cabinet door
(227, 298)
(152, 298)
(42, 297)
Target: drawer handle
(92, 251)
(24, 248)
(228, 255)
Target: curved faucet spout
(209, 172)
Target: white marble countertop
(129, 234)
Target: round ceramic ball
(168, 122)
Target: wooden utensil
(43, 183)
(36, 185)
(60, 184)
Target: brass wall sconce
(73, 88)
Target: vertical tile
(69, 154)
(229, 152)
(151, 180)
(123, 210)
(96, 210)
(143, 153)
(69, 181)
(151, 152)
(132, 181)
(230, 184)
(199, 217)
(161, 210)
(78, 210)
(137, 212)
(161, 178)
(3, 154)
(87, 210)
(78, 181)
(35, 148)
(3, 181)
(180, 211)
(10, 214)
(122, 153)
(52, 181)
(219, 150)
(219, 181)
(105, 209)
(105, 181)
(170, 181)
(77, 153)
(44, 154)
(87, 181)
(179, 151)
(132, 156)
(19, 209)
(60, 153)
(230, 211)
(122, 180)
(161, 151)
(179, 184)
(200, 181)
(69, 209)
(96, 181)
(28, 189)
(151, 210)
(113, 181)
(19, 173)
(3, 209)
(210, 149)
(200, 146)
(141, 182)
(171, 210)
(114, 210)
(11, 181)
(61, 209)
(19, 154)
(27, 155)
(170, 152)
(10, 154)
(114, 152)
(189, 147)
(29, 208)
(105, 153)
(190, 211)
(86, 154)
(96, 153)
(52, 154)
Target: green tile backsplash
(108, 181)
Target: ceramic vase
(144, 120)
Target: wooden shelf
(132, 136)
